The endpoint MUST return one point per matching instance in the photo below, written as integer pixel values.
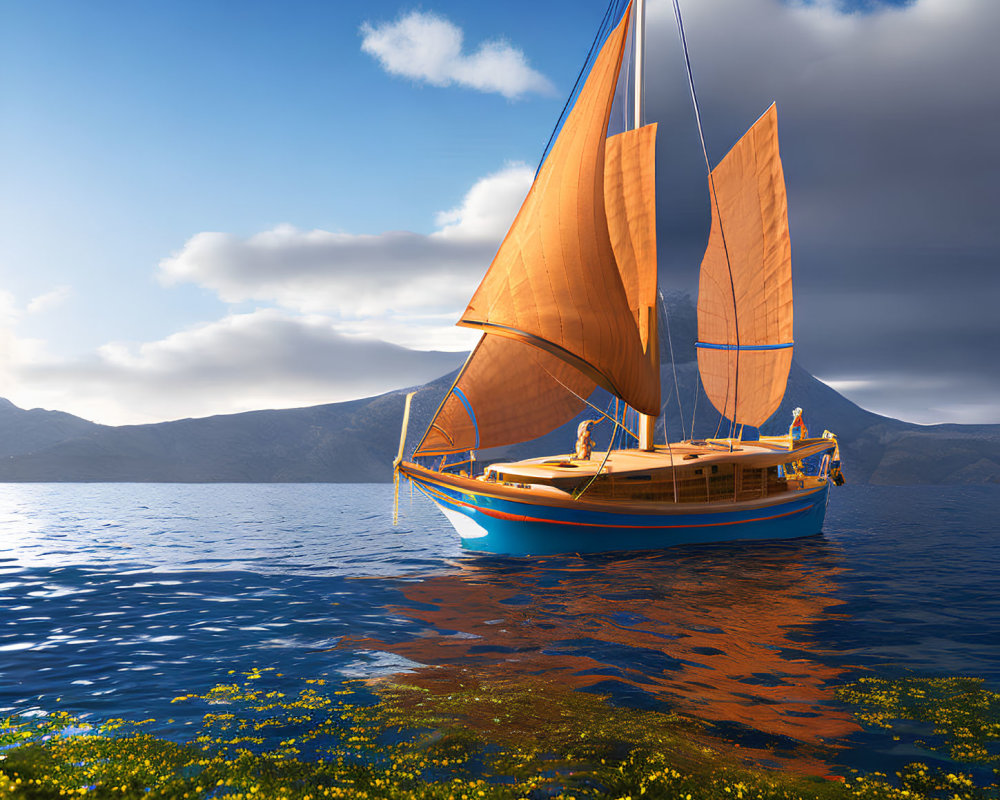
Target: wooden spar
(402, 433)
(399, 459)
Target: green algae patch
(438, 734)
(956, 716)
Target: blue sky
(129, 127)
(198, 199)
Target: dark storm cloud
(889, 122)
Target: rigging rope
(673, 366)
(695, 409)
(582, 399)
(628, 64)
(722, 416)
(690, 74)
(613, 13)
(715, 201)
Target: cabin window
(722, 482)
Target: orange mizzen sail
(554, 282)
(745, 290)
(507, 392)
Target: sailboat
(569, 304)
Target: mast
(647, 422)
(639, 39)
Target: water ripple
(118, 598)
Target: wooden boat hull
(510, 521)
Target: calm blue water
(116, 598)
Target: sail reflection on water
(724, 634)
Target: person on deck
(584, 441)
(798, 430)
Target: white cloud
(406, 287)
(9, 312)
(264, 359)
(353, 275)
(15, 349)
(928, 398)
(489, 206)
(847, 385)
(346, 298)
(49, 300)
(427, 47)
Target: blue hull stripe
(707, 346)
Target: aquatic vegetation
(962, 717)
(448, 734)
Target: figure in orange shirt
(798, 429)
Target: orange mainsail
(745, 290)
(555, 282)
(569, 300)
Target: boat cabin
(689, 472)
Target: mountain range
(356, 441)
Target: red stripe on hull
(523, 518)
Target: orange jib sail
(745, 289)
(507, 392)
(555, 282)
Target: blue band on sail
(472, 414)
(743, 346)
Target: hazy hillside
(356, 441)
(25, 431)
(342, 442)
